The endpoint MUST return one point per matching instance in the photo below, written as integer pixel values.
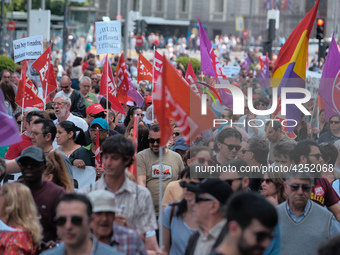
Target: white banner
(231, 71)
(83, 177)
(28, 48)
(313, 82)
(11, 178)
(108, 36)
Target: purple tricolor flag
(207, 64)
(133, 93)
(247, 62)
(9, 132)
(329, 88)
(264, 75)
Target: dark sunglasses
(223, 116)
(152, 141)
(304, 187)
(64, 87)
(232, 146)
(75, 220)
(19, 122)
(183, 184)
(202, 160)
(267, 181)
(317, 155)
(261, 236)
(334, 122)
(176, 133)
(230, 182)
(199, 199)
(94, 79)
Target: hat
(148, 100)
(94, 109)
(180, 144)
(130, 102)
(102, 201)
(32, 152)
(101, 122)
(217, 188)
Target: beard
(62, 113)
(246, 249)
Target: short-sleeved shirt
(172, 193)
(148, 165)
(323, 193)
(90, 99)
(14, 150)
(180, 232)
(85, 154)
(139, 212)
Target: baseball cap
(101, 122)
(102, 201)
(32, 152)
(217, 188)
(148, 100)
(180, 144)
(94, 109)
(130, 102)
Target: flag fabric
(191, 79)
(263, 76)
(329, 89)
(144, 71)
(247, 62)
(107, 87)
(97, 162)
(134, 94)
(157, 65)
(46, 72)
(9, 133)
(290, 67)
(122, 80)
(133, 167)
(172, 93)
(262, 59)
(27, 94)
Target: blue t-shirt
(180, 232)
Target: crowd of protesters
(45, 211)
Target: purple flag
(205, 48)
(247, 62)
(264, 75)
(133, 93)
(329, 88)
(9, 132)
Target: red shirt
(14, 150)
(323, 193)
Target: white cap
(102, 201)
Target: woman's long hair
(20, 210)
(77, 61)
(279, 184)
(9, 94)
(55, 165)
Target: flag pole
(107, 88)
(23, 99)
(160, 216)
(153, 83)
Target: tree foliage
(195, 63)
(7, 63)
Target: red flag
(144, 71)
(133, 167)
(28, 92)
(157, 66)
(46, 73)
(107, 87)
(177, 106)
(122, 80)
(191, 79)
(217, 66)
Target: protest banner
(231, 71)
(108, 37)
(28, 48)
(313, 82)
(83, 177)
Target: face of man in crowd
(37, 136)
(73, 232)
(314, 156)
(15, 79)
(114, 164)
(227, 148)
(334, 124)
(94, 79)
(84, 88)
(61, 108)
(103, 134)
(5, 77)
(101, 224)
(273, 135)
(242, 151)
(283, 160)
(154, 141)
(31, 169)
(298, 192)
(65, 85)
(236, 182)
(202, 207)
(201, 158)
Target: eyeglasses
(202, 160)
(64, 87)
(176, 133)
(183, 184)
(19, 122)
(199, 199)
(230, 182)
(304, 187)
(34, 133)
(244, 151)
(75, 220)
(152, 141)
(317, 155)
(94, 79)
(93, 130)
(267, 181)
(6, 77)
(334, 122)
(58, 104)
(232, 146)
(261, 236)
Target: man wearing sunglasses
(251, 221)
(238, 181)
(73, 217)
(334, 134)
(148, 168)
(307, 152)
(227, 144)
(211, 196)
(304, 225)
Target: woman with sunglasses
(273, 188)
(178, 221)
(18, 210)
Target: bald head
(65, 84)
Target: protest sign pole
(107, 88)
(153, 83)
(160, 216)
